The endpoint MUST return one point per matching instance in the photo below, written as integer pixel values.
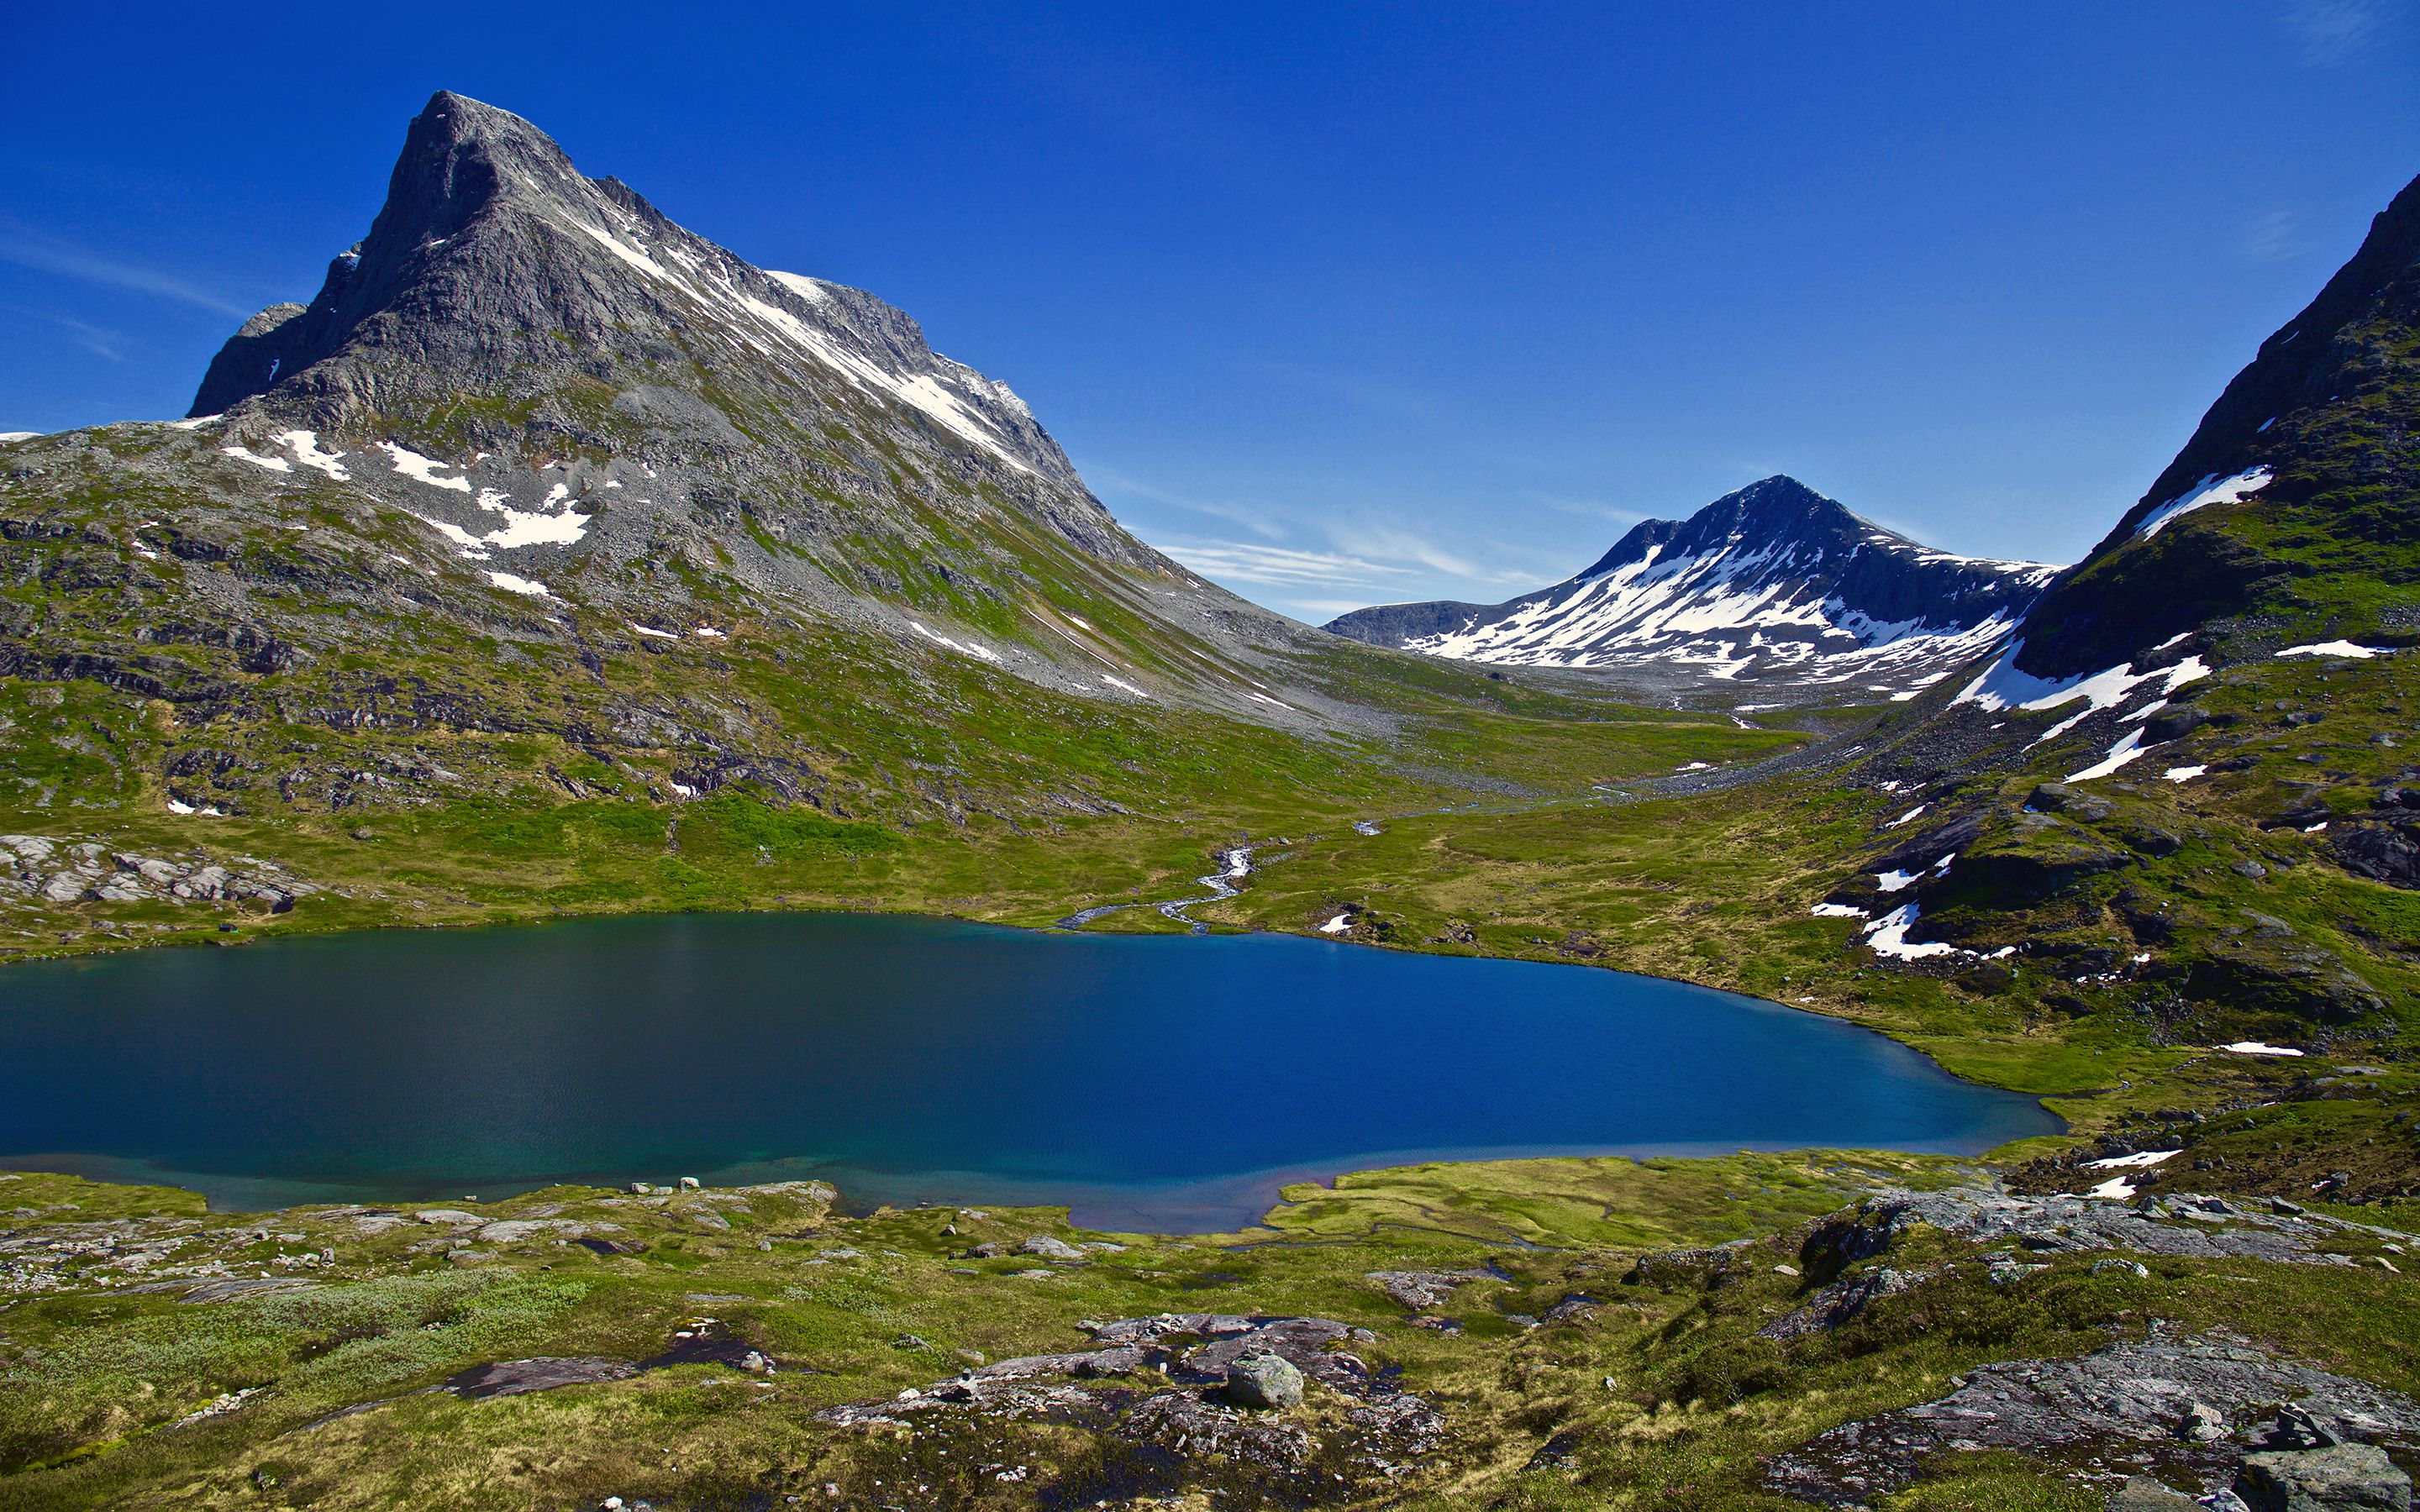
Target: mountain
(2184, 785)
(1774, 587)
(542, 495)
(616, 571)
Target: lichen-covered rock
(1264, 1380)
(2335, 1479)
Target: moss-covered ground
(1652, 1392)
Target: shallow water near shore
(1154, 1083)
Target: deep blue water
(1155, 1082)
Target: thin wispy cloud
(1317, 609)
(1277, 566)
(103, 344)
(2331, 32)
(2274, 236)
(1387, 543)
(1254, 520)
(50, 256)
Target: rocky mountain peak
(460, 155)
(1768, 512)
(1772, 584)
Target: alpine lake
(1157, 1083)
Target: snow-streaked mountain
(1773, 585)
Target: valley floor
(1728, 1332)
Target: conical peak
(1775, 508)
(1777, 495)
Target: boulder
(2141, 1493)
(2173, 724)
(2383, 853)
(2202, 1424)
(2343, 1475)
(1264, 1381)
(2058, 797)
(2295, 1429)
(1049, 1248)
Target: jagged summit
(1773, 583)
(459, 157)
(496, 269)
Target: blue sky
(1342, 304)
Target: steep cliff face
(2299, 491)
(1773, 587)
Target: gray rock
(2294, 1428)
(1420, 1291)
(2202, 1424)
(2121, 1404)
(2141, 1493)
(516, 1377)
(1264, 1381)
(1049, 1248)
(2212, 1228)
(1839, 1303)
(2321, 1480)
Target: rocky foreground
(1955, 1342)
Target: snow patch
(2335, 648)
(1129, 687)
(2210, 491)
(2253, 1047)
(304, 444)
(1887, 936)
(962, 648)
(422, 468)
(2120, 754)
(513, 583)
(2003, 686)
(1337, 925)
(1909, 817)
(651, 630)
(552, 523)
(1837, 911)
(2137, 1160)
(275, 464)
(2183, 773)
